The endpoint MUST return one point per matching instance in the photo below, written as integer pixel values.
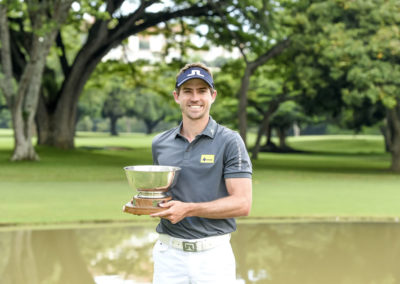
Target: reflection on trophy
(152, 184)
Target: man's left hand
(175, 211)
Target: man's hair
(190, 65)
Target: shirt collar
(177, 132)
(209, 131)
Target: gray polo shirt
(214, 155)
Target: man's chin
(196, 116)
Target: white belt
(194, 245)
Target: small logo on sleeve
(208, 159)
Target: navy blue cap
(195, 73)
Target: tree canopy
(332, 57)
(348, 58)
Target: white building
(151, 47)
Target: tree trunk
(386, 134)
(23, 101)
(269, 146)
(251, 67)
(24, 108)
(52, 130)
(281, 131)
(268, 134)
(395, 166)
(149, 126)
(42, 122)
(57, 121)
(113, 125)
(242, 110)
(23, 147)
(394, 128)
(264, 127)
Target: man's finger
(162, 213)
(167, 204)
(159, 214)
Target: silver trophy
(151, 184)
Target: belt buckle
(189, 246)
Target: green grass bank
(338, 178)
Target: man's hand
(175, 212)
(236, 204)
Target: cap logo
(194, 73)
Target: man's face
(195, 99)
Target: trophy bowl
(151, 182)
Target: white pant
(175, 266)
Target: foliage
(254, 28)
(348, 60)
(151, 108)
(251, 26)
(351, 48)
(92, 30)
(226, 82)
(288, 113)
(117, 89)
(5, 115)
(5, 118)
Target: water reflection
(43, 257)
(265, 253)
(318, 253)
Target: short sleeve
(237, 163)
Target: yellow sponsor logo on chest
(208, 159)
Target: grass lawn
(343, 177)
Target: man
(213, 187)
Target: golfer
(213, 187)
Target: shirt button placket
(186, 155)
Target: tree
(43, 20)
(358, 47)
(274, 86)
(114, 108)
(288, 114)
(103, 25)
(57, 113)
(151, 108)
(224, 109)
(253, 27)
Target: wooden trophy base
(144, 206)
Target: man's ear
(176, 96)
(214, 95)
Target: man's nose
(195, 96)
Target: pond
(298, 253)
